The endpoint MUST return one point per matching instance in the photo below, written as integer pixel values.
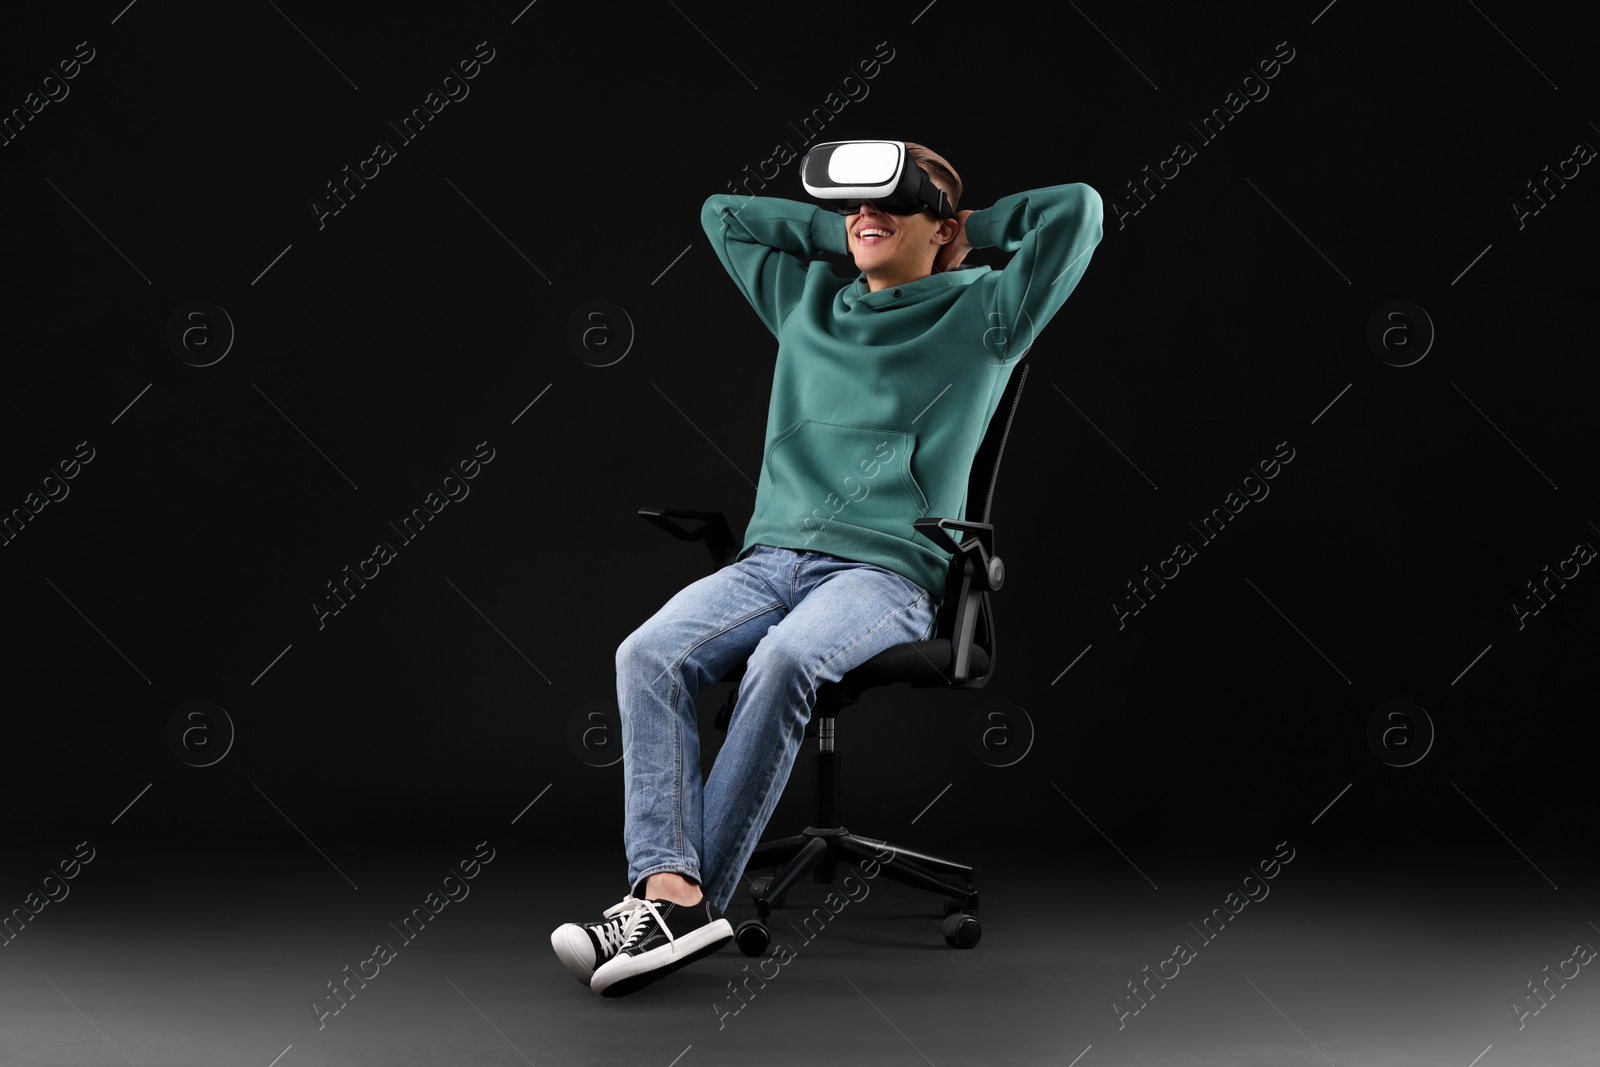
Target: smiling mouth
(870, 235)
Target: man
(882, 391)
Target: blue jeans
(798, 619)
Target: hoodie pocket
(824, 473)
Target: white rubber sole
(624, 974)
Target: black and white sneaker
(665, 936)
(585, 946)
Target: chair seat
(919, 663)
(923, 664)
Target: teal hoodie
(880, 400)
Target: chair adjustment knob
(997, 572)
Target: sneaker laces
(623, 916)
(637, 926)
(627, 903)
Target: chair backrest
(986, 465)
(980, 499)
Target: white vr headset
(850, 173)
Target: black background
(1229, 314)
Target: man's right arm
(758, 239)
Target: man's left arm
(1051, 233)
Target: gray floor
(191, 958)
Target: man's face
(896, 246)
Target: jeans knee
(635, 651)
(645, 659)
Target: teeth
(873, 233)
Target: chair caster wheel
(962, 930)
(759, 887)
(752, 937)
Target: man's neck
(875, 283)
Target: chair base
(817, 851)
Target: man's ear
(948, 229)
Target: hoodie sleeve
(762, 242)
(1051, 233)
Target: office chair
(960, 655)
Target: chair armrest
(713, 530)
(990, 573)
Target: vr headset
(848, 174)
